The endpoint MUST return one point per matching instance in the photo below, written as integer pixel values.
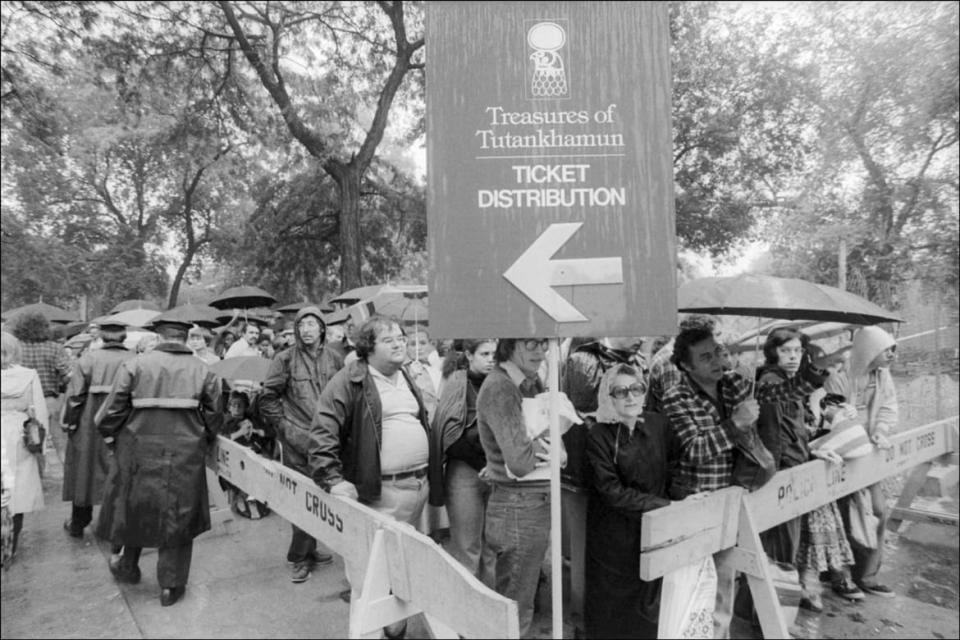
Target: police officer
(160, 417)
(87, 458)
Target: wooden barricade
(731, 519)
(405, 572)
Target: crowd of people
(383, 415)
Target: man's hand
(746, 413)
(881, 441)
(830, 456)
(69, 429)
(344, 489)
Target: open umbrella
(128, 305)
(253, 368)
(815, 330)
(244, 297)
(783, 298)
(409, 307)
(198, 314)
(359, 294)
(48, 311)
(135, 318)
(293, 307)
(257, 315)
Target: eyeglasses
(621, 393)
(533, 343)
(393, 340)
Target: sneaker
(319, 559)
(848, 590)
(811, 602)
(301, 571)
(877, 589)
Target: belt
(165, 403)
(416, 473)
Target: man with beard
(296, 378)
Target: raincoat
(629, 474)
(873, 392)
(20, 389)
(291, 391)
(87, 459)
(164, 411)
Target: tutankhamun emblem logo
(549, 79)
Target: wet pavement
(60, 587)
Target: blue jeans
(517, 533)
(466, 498)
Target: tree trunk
(178, 279)
(347, 177)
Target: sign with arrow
(550, 181)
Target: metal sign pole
(556, 561)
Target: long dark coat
(87, 459)
(629, 475)
(164, 411)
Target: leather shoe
(70, 529)
(171, 595)
(122, 574)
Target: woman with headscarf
(628, 452)
(21, 395)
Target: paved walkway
(59, 587)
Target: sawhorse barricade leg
(379, 601)
(750, 558)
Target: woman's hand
(881, 441)
(830, 456)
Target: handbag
(863, 522)
(846, 438)
(753, 464)
(690, 594)
(33, 433)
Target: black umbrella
(258, 315)
(198, 314)
(48, 311)
(783, 298)
(244, 297)
(129, 305)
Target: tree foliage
(333, 69)
(882, 81)
(738, 135)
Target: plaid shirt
(50, 361)
(707, 438)
(664, 376)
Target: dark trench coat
(87, 459)
(164, 411)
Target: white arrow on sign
(535, 274)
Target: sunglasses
(621, 393)
(533, 343)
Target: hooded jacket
(873, 392)
(292, 389)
